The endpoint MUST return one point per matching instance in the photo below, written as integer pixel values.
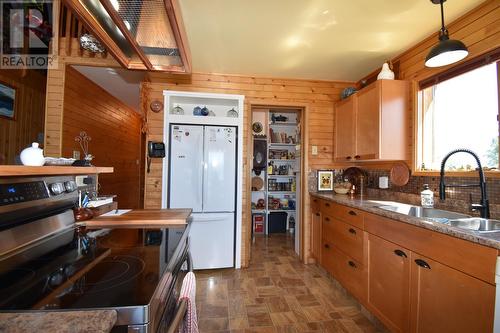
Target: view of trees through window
(461, 112)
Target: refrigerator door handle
(211, 219)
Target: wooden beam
(126, 33)
(94, 26)
(176, 23)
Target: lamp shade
(446, 52)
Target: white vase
(32, 156)
(385, 73)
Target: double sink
(459, 220)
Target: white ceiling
(311, 39)
(121, 83)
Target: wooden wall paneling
(54, 111)
(28, 123)
(115, 130)
(318, 96)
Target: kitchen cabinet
(373, 124)
(316, 229)
(444, 299)
(388, 289)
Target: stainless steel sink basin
(417, 211)
(476, 224)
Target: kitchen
(296, 86)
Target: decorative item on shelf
(347, 92)
(59, 161)
(342, 187)
(257, 183)
(156, 106)
(83, 139)
(400, 174)
(257, 127)
(447, 51)
(177, 110)
(32, 156)
(90, 43)
(232, 113)
(211, 113)
(197, 111)
(279, 118)
(385, 73)
(261, 204)
(325, 180)
(204, 111)
(8, 105)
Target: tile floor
(277, 293)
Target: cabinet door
(345, 130)
(348, 239)
(388, 296)
(349, 273)
(368, 122)
(446, 300)
(316, 234)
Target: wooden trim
(133, 43)
(471, 174)
(23, 170)
(176, 23)
(94, 26)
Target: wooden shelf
(281, 210)
(282, 160)
(283, 124)
(22, 170)
(277, 144)
(280, 176)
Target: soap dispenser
(427, 197)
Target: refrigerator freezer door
(186, 167)
(212, 240)
(219, 180)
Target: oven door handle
(189, 260)
(179, 317)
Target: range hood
(140, 34)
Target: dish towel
(188, 293)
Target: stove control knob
(57, 188)
(56, 278)
(70, 186)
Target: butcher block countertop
(23, 170)
(140, 218)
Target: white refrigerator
(202, 176)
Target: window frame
(488, 58)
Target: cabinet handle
(315, 200)
(327, 204)
(353, 213)
(317, 214)
(422, 263)
(400, 253)
(357, 157)
(327, 219)
(351, 263)
(348, 158)
(327, 246)
(352, 231)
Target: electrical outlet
(315, 150)
(76, 154)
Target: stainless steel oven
(49, 264)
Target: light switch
(315, 150)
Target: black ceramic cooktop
(116, 267)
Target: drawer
(348, 239)
(315, 204)
(347, 214)
(349, 273)
(327, 258)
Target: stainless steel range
(47, 263)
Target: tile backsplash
(457, 199)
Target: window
(461, 112)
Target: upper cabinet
(373, 124)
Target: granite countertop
(94, 321)
(367, 204)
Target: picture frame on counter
(7, 101)
(325, 180)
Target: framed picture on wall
(7, 101)
(325, 180)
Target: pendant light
(448, 50)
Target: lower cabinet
(388, 294)
(316, 235)
(349, 273)
(446, 300)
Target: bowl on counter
(342, 188)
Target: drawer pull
(422, 263)
(352, 231)
(400, 253)
(327, 246)
(348, 158)
(317, 214)
(315, 200)
(351, 263)
(327, 219)
(357, 157)
(327, 204)
(353, 213)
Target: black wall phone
(155, 150)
